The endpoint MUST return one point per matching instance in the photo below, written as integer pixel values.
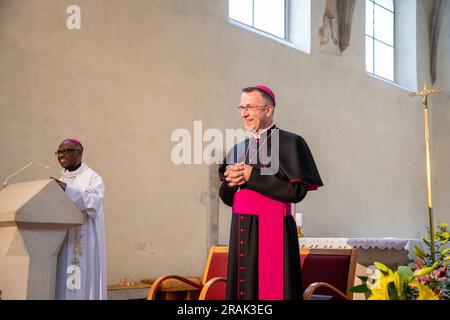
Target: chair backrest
(333, 266)
(216, 266)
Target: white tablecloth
(364, 243)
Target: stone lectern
(34, 219)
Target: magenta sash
(271, 215)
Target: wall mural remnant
(337, 21)
(435, 27)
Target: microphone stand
(18, 171)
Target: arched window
(380, 38)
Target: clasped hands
(237, 174)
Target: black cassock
(296, 175)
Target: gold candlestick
(425, 93)
(299, 222)
(300, 232)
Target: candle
(299, 219)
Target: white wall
(440, 110)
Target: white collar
(258, 134)
(71, 174)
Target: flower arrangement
(425, 278)
(438, 278)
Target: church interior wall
(136, 72)
(440, 134)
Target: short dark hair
(265, 95)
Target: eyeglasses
(250, 108)
(65, 151)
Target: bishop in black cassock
(261, 177)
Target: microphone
(18, 171)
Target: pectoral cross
(425, 93)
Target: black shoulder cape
(297, 162)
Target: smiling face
(259, 112)
(69, 155)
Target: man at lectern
(82, 260)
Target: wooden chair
(326, 273)
(213, 282)
(329, 272)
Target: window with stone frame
(380, 54)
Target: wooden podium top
(38, 202)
